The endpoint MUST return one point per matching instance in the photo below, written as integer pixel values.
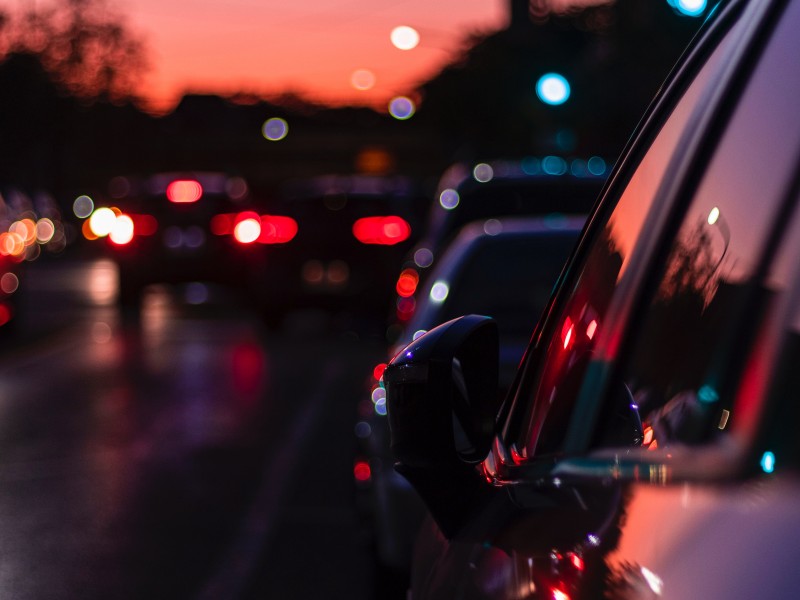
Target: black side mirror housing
(442, 401)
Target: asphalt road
(187, 453)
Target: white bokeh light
(404, 37)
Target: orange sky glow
(311, 47)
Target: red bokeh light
(377, 372)
(277, 229)
(362, 471)
(384, 231)
(407, 283)
(183, 191)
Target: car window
(492, 282)
(573, 329)
(781, 444)
(702, 311)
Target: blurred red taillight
(277, 230)
(248, 227)
(362, 471)
(385, 231)
(407, 283)
(247, 230)
(183, 191)
(122, 231)
(144, 224)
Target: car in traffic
(352, 231)
(479, 272)
(30, 226)
(181, 228)
(648, 445)
(548, 186)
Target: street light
(404, 37)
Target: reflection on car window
(581, 316)
(782, 441)
(493, 283)
(703, 305)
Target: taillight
(183, 191)
(122, 231)
(277, 230)
(385, 231)
(144, 224)
(247, 230)
(407, 283)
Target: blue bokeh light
(553, 89)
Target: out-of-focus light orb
(713, 216)
(418, 334)
(439, 292)
(378, 394)
(363, 79)
(423, 258)
(554, 165)
(9, 283)
(363, 429)
(402, 108)
(690, 8)
(122, 230)
(492, 227)
(553, 89)
(531, 165)
(196, 293)
(275, 129)
(25, 229)
(45, 230)
(449, 199)
(102, 221)
(102, 332)
(380, 407)
(404, 37)
(768, 462)
(596, 165)
(82, 206)
(236, 188)
(483, 173)
(247, 231)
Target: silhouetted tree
(84, 45)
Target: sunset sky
(308, 46)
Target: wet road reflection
(165, 456)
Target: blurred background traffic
(217, 223)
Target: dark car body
(182, 227)
(478, 273)
(352, 231)
(648, 447)
(550, 186)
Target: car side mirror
(442, 402)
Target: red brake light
(407, 283)
(223, 224)
(122, 231)
(277, 230)
(247, 228)
(362, 471)
(144, 224)
(182, 191)
(385, 231)
(377, 372)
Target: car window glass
(492, 282)
(703, 305)
(571, 341)
(782, 441)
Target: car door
(657, 253)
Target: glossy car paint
(710, 517)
